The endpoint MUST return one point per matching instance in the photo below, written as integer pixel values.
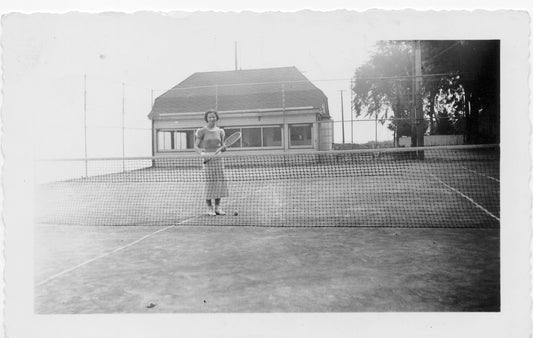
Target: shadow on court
(256, 269)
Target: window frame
(305, 146)
(261, 127)
(173, 131)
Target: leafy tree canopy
(459, 94)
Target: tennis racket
(229, 141)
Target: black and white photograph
(333, 163)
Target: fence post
(85, 122)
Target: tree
(474, 71)
(460, 91)
(376, 96)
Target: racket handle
(209, 159)
(216, 153)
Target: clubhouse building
(275, 109)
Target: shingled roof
(241, 90)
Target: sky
(148, 53)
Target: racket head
(228, 142)
(232, 139)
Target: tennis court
(343, 231)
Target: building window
(257, 137)
(251, 137)
(170, 140)
(301, 135)
(271, 137)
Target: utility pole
(285, 130)
(418, 88)
(396, 120)
(123, 138)
(153, 135)
(417, 116)
(216, 97)
(351, 107)
(236, 61)
(413, 99)
(417, 130)
(85, 121)
(376, 132)
(342, 115)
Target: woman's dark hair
(210, 112)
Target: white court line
(128, 245)
(486, 176)
(468, 198)
(110, 252)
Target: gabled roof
(241, 90)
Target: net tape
(454, 186)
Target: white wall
(435, 140)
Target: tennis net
(456, 186)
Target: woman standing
(208, 140)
